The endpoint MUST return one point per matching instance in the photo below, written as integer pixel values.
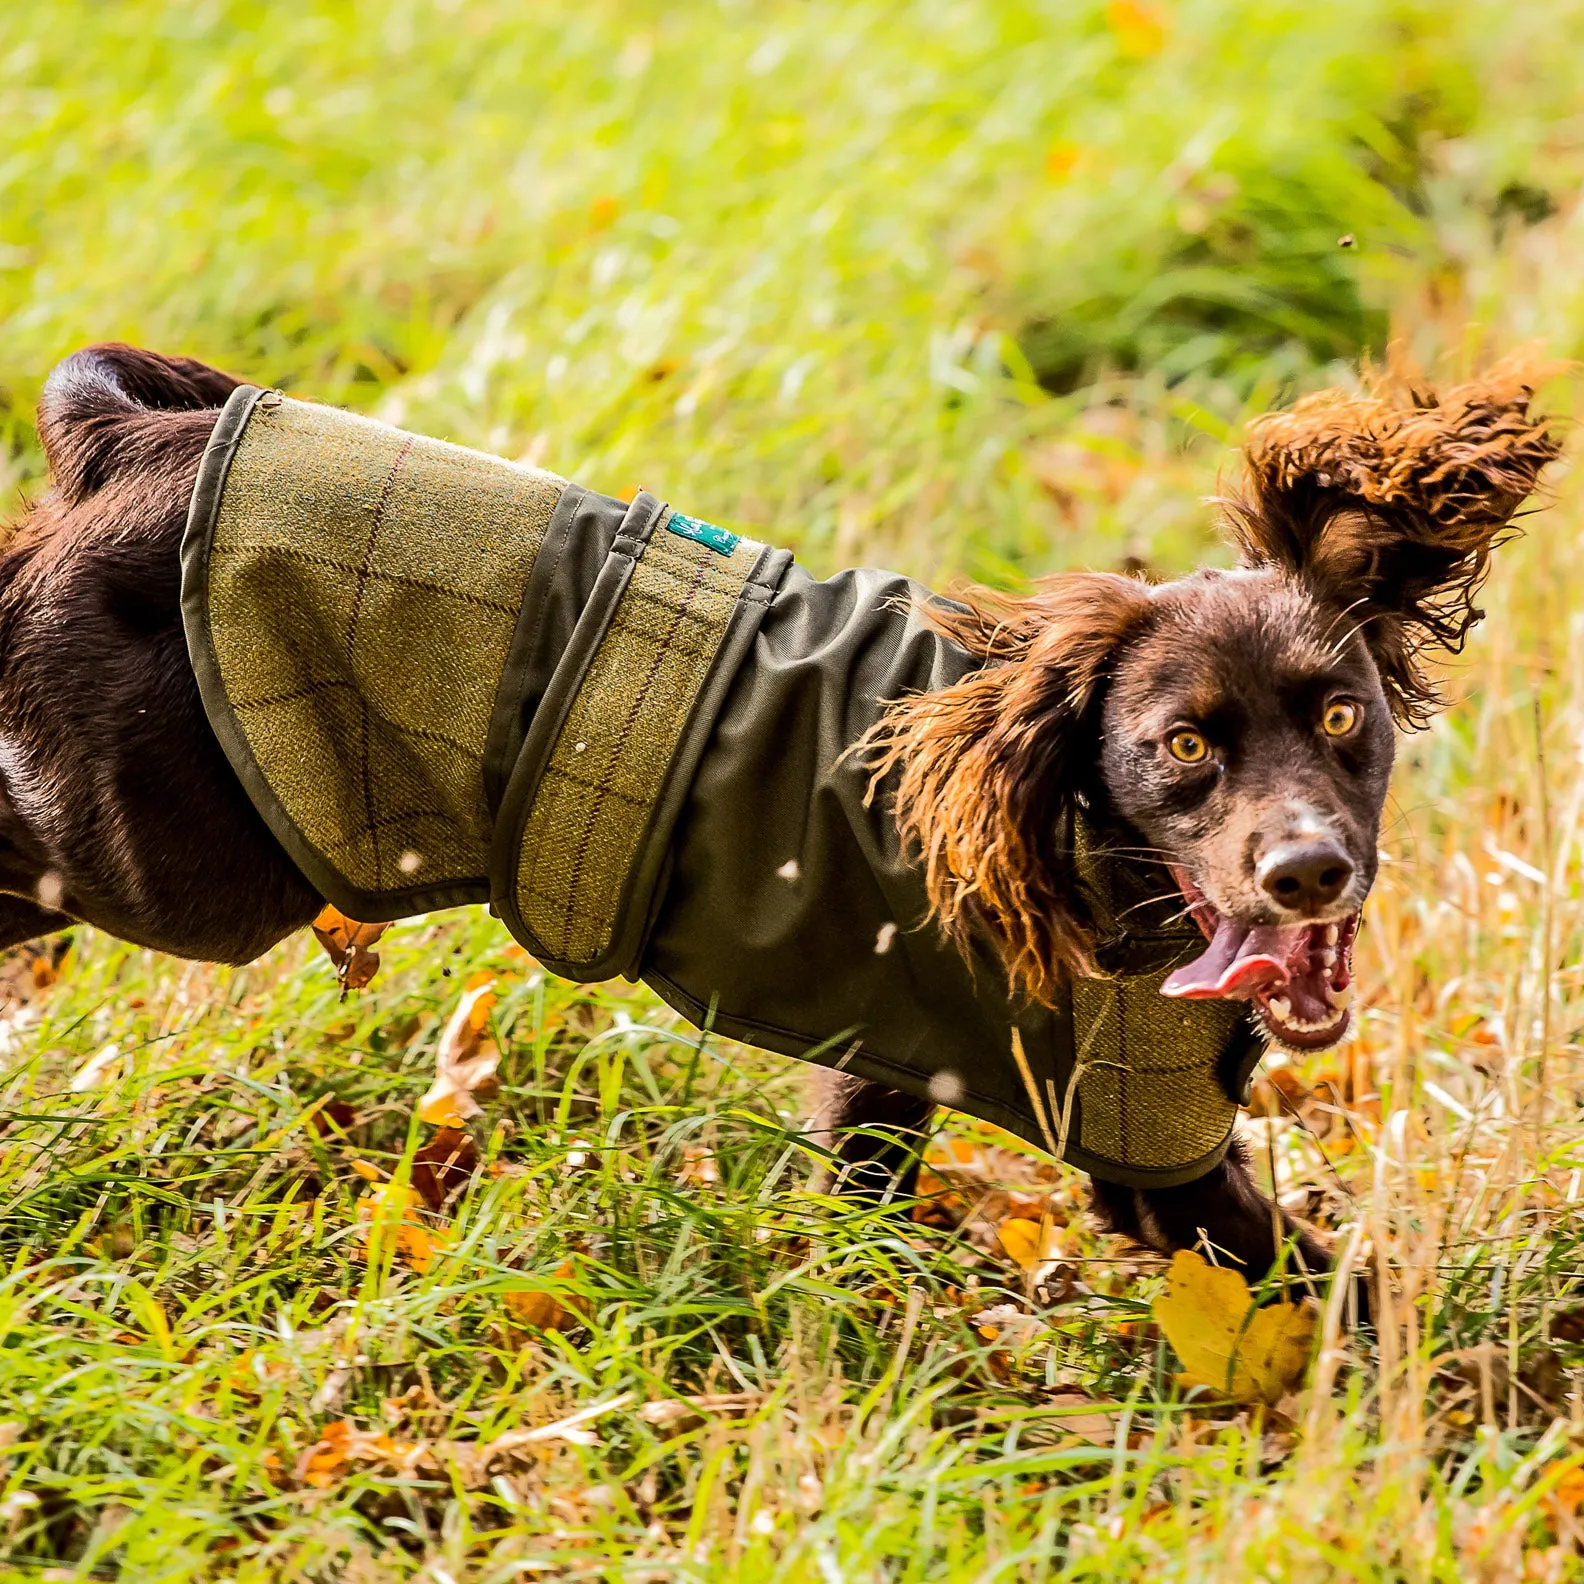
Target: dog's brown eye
(1340, 718)
(1187, 746)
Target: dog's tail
(92, 416)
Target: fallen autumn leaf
(389, 1216)
(347, 943)
(464, 1062)
(1227, 1344)
(340, 1446)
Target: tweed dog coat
(446, 679)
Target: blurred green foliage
(968, 286)
(803, 265)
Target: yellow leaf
(1225, 1343)
(1021, 1240)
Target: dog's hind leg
(1224, 1209)
(115, 792)
(22, 920)
(875, 1136)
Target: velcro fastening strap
(584, 855)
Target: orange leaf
(540, 1310)
(347, 943)
(699, 1166)
(318, 1463)
(545, 1311)
(390, 1211)
(1567, 1495)
(340, 1444)
(1060, 159)
(1020, 1240)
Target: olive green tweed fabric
(596, 796)
(1150, 1090)
(363, 587)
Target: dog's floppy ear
(92, 410)
(1389, 503)
(989, 768)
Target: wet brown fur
(1385, 503)
(985, 768)
(1396, 496)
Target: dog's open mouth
(1299, 976)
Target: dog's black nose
(1305, 876)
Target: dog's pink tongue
(1237, 962)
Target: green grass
(966, 288)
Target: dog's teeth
(1340, 999)
(1281, 1009)
(1331, 934)
(1328, 957)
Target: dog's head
(1240, 724)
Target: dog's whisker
(1137, 854)
(1348, 638)
(1353, 606)
(1165, 896)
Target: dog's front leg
(875, 1135)
(1224, 1209)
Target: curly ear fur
(1389, 503)
(990, 766)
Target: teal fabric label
(719, 540)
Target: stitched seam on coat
(295, 695)
(352, 621)
(371, 574)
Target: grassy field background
(972, 288)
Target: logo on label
(720, 540)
